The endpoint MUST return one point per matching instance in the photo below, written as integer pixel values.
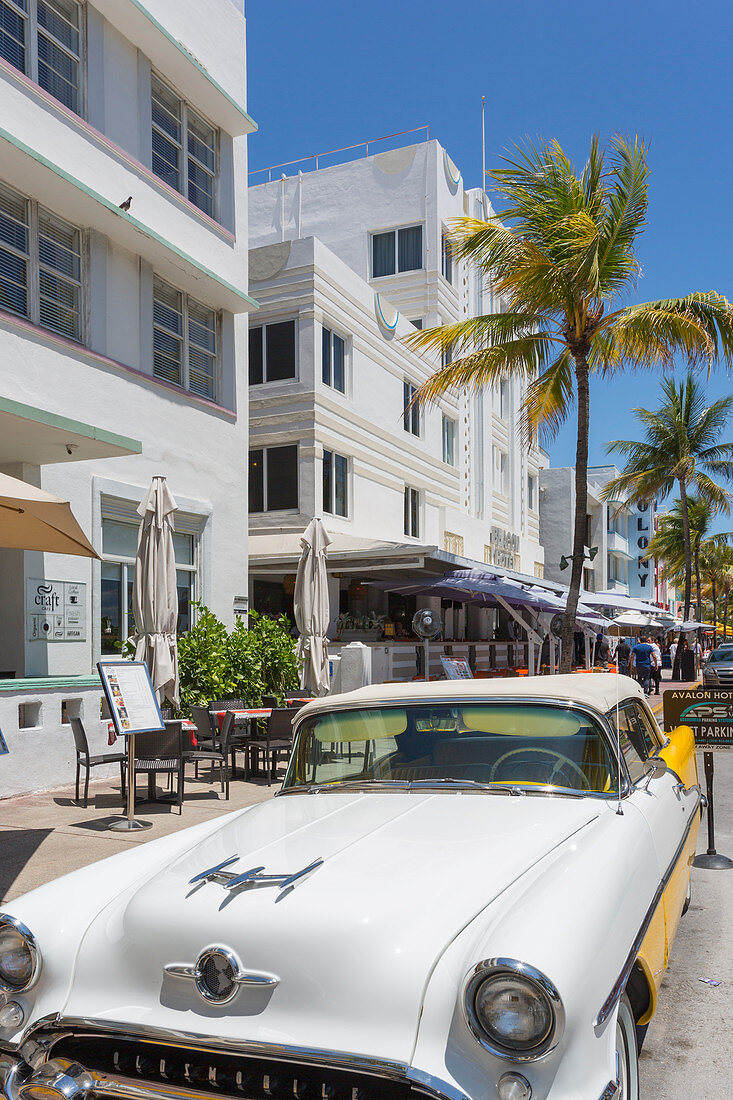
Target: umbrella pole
(129, 824)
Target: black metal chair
(216, 755)
(161, 751)
(207, 729)
(297, 696)
(85, 760)
(276, 740)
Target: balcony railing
(333, 156)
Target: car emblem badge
(218, 976)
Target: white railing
(317, 160)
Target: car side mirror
(655, 767)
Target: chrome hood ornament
(230, 880)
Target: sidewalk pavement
(45, 835)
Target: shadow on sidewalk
(18, 846)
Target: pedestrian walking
(641, 662)
(603, 650)
(656, 665)
(623, 652)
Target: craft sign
(56, 611)
(708, 711)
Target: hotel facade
(123, 331)
(346, 262)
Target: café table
(187, 726)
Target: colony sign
(641, 529)
(56, 611)
(709, 712)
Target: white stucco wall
(81, 168)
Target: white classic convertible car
(463, 890)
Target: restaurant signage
(504, 547)
(56, 611)
(708, 711)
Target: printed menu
(132, 701)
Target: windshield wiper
(347, 784)
(472, 784)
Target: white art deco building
(123, 333)
(345, 262)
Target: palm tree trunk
(581, 508)
(714, 588)
(688, 575)
(698, 588)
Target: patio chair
(276, 741)
(295, 696)
(85, 760)
(161, 751)
(207, 729)
(216, 755)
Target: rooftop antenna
(483, 152)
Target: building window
(119, 547)
(184, 340)
(447, 259)
(335, 484)
(410, 409)
(273, 479)
(184, 147)
(42, 38)
(397, 250)
(532, 493)
(501, 471)
(40, 265)
(539, 569)
(417, 322)
(589, 580)
(446, 357)
(272, 353)
(449, 440)
(504, 398)
(333, 349)
(412, 512)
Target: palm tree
(668, 542)
(681, 448)
(563, 262)
(716, 559)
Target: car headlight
(20, 959)
(513, 1010)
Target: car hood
(353, 943)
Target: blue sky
(331, 74)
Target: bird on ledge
(126, 204)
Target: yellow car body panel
(679, 754)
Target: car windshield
(723, 653)
(504, 744)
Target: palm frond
(548, 400)
(524, 357)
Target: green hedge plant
(246, 663)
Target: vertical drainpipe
(300, 203)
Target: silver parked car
(718, 669)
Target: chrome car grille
(224, 1073)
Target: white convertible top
(599, 690)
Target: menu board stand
(134, 708)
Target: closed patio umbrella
(312, 609)
(154, 592)
(32, 519)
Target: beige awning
(32, 519)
